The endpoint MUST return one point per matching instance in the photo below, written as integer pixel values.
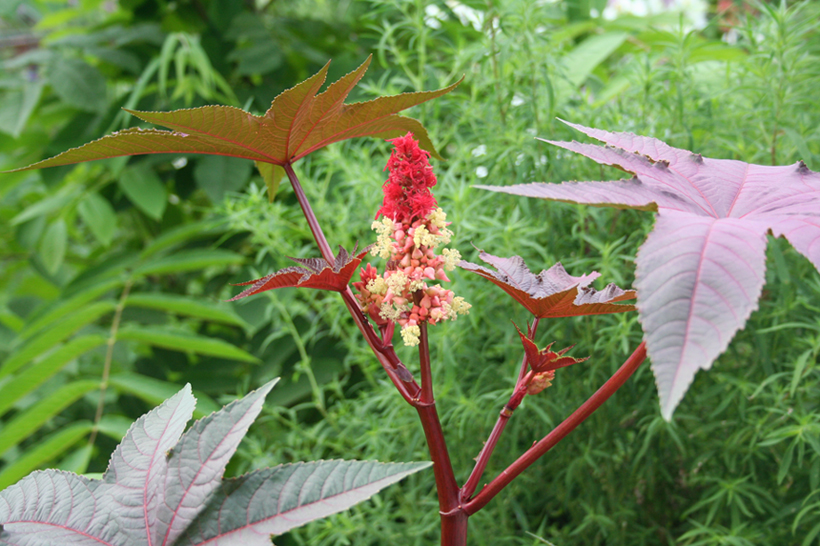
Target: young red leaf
(554, 292)
(546, 360)
(298, 122)
(316, 273)
(700, 272)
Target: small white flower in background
(594, 13)
(517, 100)
(519, 159)
(434, 16)
(179, 162)
(694, 11)
(467, 15)
(479, 150)
(531, 131)
(481, 172)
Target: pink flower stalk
(409, 232)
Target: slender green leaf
(11, 320)
(183, 305)
(53, 245)
(46, 205)
(114, 426)
(182, 234)
(579, 63)
(98, 214)
(54, 335)
(217, 174)
(144, 189)
(155, 391)
(47, 449)
(38, 373)
(183, 341)
(78, 83)
(63, 307)
(189, 260)
(30, 420)
(17, 106)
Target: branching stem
(570, 423)
(504, 416)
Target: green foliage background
(124, 265)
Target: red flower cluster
(407, 191)
(409, 234)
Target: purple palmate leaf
(160, 492)
(700, 272)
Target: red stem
(453, 517)
(485, 454)
(531, 455)
(487, 451)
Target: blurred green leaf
(27, 422)
(50, 337)
(143, 188)
(217, 174)
(16, 107)
(47, 449)
(53, 245)
(19, 385)
(98, 214)
(186, 305)
(78, 83)
(153, 391)
(189, 260)
(183, 341)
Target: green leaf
(579, 63)
(39, 372)
(52, 245)
(143, 188)
(11, 320)
(155, 391)
(182, 234)
(47, 449)
(183, 305)
(78, 83)
(183, 341)
(30, 420)
(54, 335)
(46, 205)
(189, 260)
(17, 106)
(217, 174)
(115, 426)
(272, 175)
(98, 214)
(298, 122)
(61, 308)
